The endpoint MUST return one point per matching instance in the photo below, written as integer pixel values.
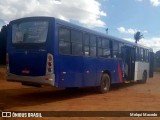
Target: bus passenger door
(129, 58)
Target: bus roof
(65, 23)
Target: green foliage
(138, 36)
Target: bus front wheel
(144, 78)
(104, 84)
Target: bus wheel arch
(105, 82)
(107, 72)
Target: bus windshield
(29, 32)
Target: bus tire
(104, 84)
(144, 78)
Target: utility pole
(107, 31)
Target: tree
(138, 36)
(3, 39)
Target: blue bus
(50, 51)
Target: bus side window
(90, 45)
(76, 42)
(86, 44)
(64, 41)
(115, 49)
(123, 52)
(106, 48)
(99, 41)
(121, 46)
(136, 53)
(147, 55)
(142, 54)
(93, 44)
(139, 54)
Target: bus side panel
(110, 65)
(90, 71)
(104, 64)
(139, 69)
(70, 71)
(118, 71)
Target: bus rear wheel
(105, 83)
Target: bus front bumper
(41, 80)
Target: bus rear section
(28, 59)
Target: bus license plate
(25, 71)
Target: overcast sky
(122, 17)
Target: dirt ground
(124, 97)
